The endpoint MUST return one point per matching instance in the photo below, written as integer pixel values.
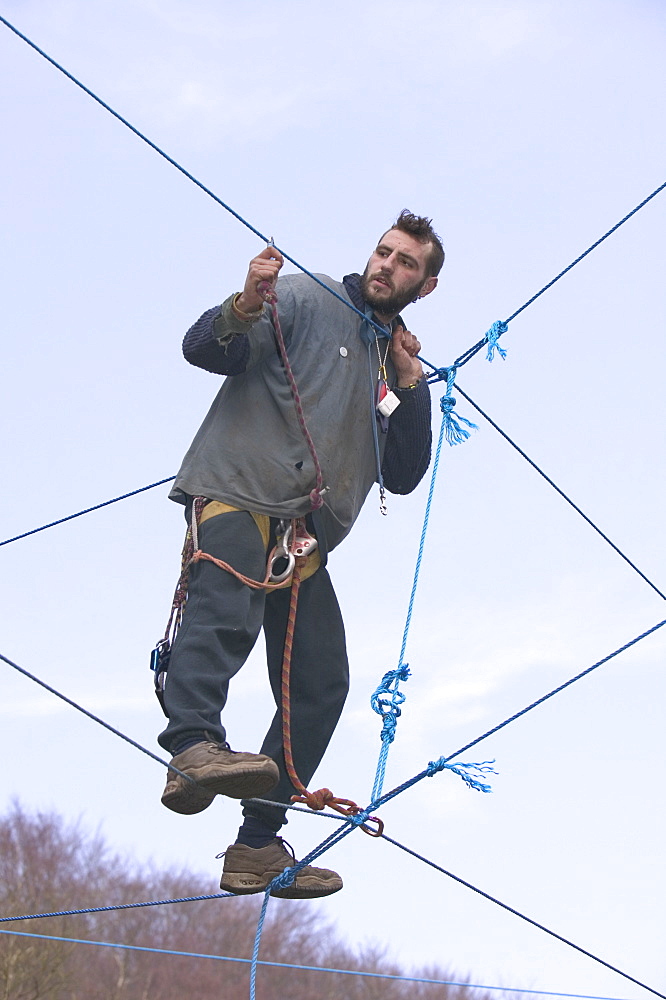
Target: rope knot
(316, 499)
(267, 292)
(318, 800)
(492, 335)
(455, 433)
(471, 774)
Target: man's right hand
(264, 267)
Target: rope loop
(364, 818)
(316, 499)
(492, 335)
(324, 797)
(380, 701)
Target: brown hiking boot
(218, 770)
(250, 869)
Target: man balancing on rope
(252, 479)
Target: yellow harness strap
(215, 507)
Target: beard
(395, 301)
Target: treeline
(47, 865)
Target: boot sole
(242, 883)
(308, 889)
(245, 883)
(187, 801)
(239, 783)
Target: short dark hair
(421, 229)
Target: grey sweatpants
(221, 623)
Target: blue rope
(387, 698)
(387, 701)
(88, 510)
(390, 709)
(307, 968)
(257, 942)
(491, 338)
(118, 906)
(522, 916)
(455, 434)
(471, 774)
(501, 326)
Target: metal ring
(373, 833)
(291, 562)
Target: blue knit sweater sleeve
(409, 440)
(201, 347)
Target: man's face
(396, 273)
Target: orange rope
(247, 580)
(324, 796)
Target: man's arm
(218, 341)
(409, 440)
(223, 355)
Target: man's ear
(428, 286)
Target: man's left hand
(404, 348)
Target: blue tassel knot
(470, 773)
(455, 434)
(491, 338)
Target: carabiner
(281, 551)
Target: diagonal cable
(558, 490)
(471, 351)
(88, 510)
(186, 173)
(117, 906)
(95, 718)
(522, 916)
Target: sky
(525, 130)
